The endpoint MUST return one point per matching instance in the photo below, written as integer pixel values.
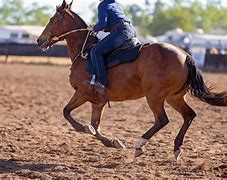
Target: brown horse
(162, 73)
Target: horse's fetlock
(177, 144)
(95, 124)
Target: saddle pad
(119, 56)
(122, 56)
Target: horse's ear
(62, 6)
(69, 5)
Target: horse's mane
(83, 23)
(67, 8)
(77, 16)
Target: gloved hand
(90, 28)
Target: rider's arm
(102, 18)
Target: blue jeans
(109, 43)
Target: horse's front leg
(76, 101)
(97, 111)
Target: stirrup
(99, 87)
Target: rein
(81, 53)
(57, 38)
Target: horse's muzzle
(43, 44)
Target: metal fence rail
(15, 49)
(214, 63)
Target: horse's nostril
(38, 40)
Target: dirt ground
(37, 143)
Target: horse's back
(164, 68)
(165, 54)
(160, 68)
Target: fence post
(48, 56)
(7, 51)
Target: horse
(162, 73)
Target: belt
(120, 24)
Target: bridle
(55, 39)
(59, 17)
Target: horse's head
(59, 24)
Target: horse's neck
(75, 41)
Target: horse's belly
(125, 90)
(122, 96)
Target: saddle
(127, 53)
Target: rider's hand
(90, 27)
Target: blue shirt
(109, 14)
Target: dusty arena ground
(37, 143)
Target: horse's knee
(163, 121)
(189, 117)
(66, 113)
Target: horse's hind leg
(161, 119)
(180, 105)
(97, 110)
(76, 101)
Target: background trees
(157, 18)
(14, 13)
(189, 15)
(151, 18)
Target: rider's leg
(106, 45)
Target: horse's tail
(198, 88)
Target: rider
(111, 18)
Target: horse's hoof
(89, 130)
(138, 152)
(118, 144)
(178, 154)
